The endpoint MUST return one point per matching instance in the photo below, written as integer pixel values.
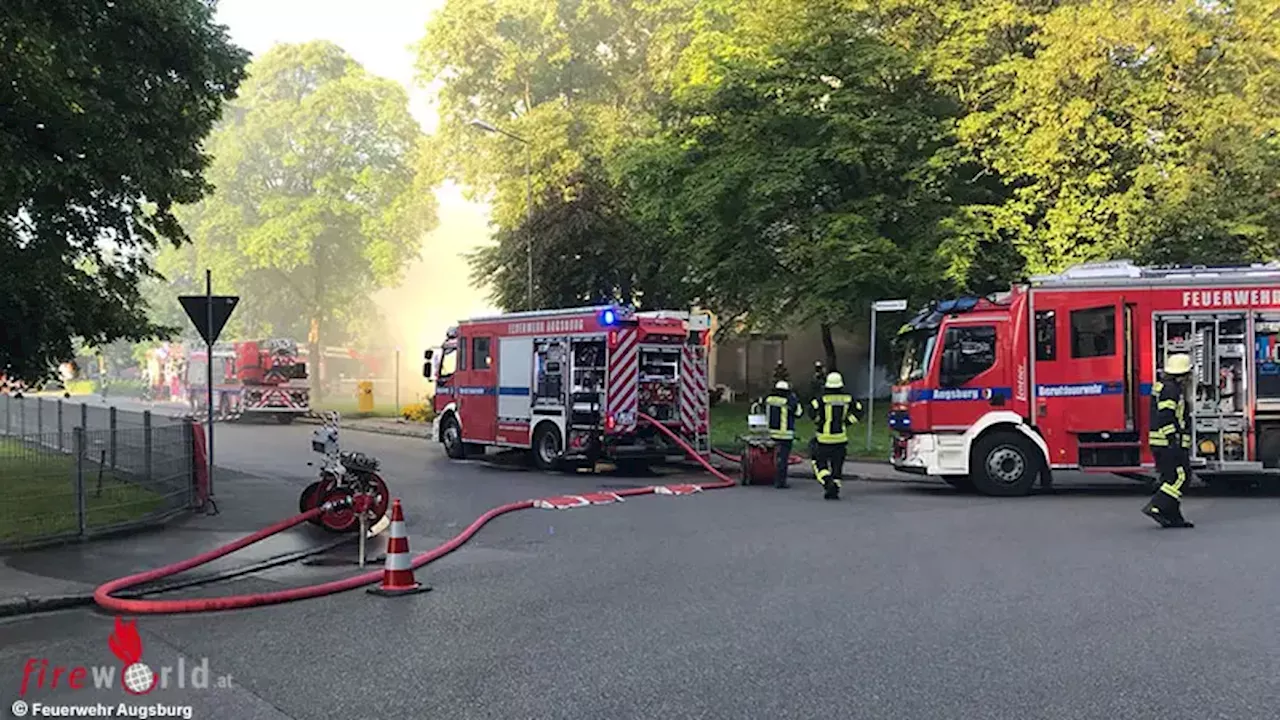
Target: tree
(586, 251)
(1136, 128)
(105, 107)
(324, 194)
(810, 178)
(579, 80)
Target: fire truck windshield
(917, 351)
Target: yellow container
(364, 396)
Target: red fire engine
(568, 384)
(1056, 374)
(261, 377)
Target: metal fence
(75, 471)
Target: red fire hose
(136, 606)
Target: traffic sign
(890, 305)
(197, 307)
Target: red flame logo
(125, 642)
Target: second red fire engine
(1056, 374)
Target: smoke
(436, 290)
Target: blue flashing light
(609, 317)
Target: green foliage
(324, 194)
(105, 107)
(791, 160)
(809, 180)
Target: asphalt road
(902, 601)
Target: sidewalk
(382, 426)
(66, 575)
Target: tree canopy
(324, 193)
(105, 108)
(793, 159)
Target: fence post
(40, 422)
(84, 415)
(22, 419)
(78, 442)
(111, 423)
(146, 446)
(61, 444)
(8, 417)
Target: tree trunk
(317, 358)
(829, 347)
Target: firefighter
(817, 381)
(1170, 442)
(783, 408)
(832, 416)
(780, 373)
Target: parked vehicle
(1055, 374)
(569, 384)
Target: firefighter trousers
(1174, 466)
(828, 466)
(783, 450)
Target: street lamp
(528, 195)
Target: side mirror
(426, 369)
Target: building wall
(745, 364)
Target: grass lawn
(39, 490)
(729, 420)
(348, 407)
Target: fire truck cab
(570, 384)
(995, 393)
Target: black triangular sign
(197, 307)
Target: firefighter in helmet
(832, 414)
(1170, 441)
(783, 408)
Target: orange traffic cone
(397, 576)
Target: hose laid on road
(103, 596)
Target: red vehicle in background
(253, 377)
(569, 384)
(996, 393)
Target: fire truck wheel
(451, 438)
(546, 447)
(1003, 464)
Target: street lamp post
(528, 199)
(878, 306)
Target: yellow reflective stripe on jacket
(1167, 405)
(780, 410)
(834, 420)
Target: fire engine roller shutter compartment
(515, 373)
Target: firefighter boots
(1166, 510)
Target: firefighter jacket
(833, 414)
(783, 408)
(1168, 416)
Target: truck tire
(1004, 464)
(451, 438)
(547, 447)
